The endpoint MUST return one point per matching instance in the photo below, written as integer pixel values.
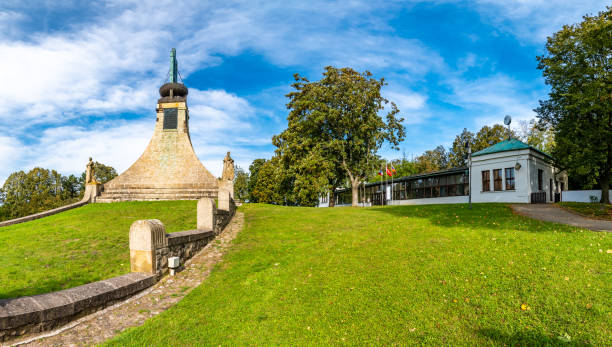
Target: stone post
(224, 200)
(227, 185)
(146, 236)
(206, 214)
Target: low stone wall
(580, 195)
(150, 248)
(43, 214)
(32, 314)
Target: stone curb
(43, 214)
(37, 313)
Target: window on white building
(497, 179)
(486, 181)
(510, 182)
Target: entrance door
(550, 189)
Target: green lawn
(436, 275)
(597, 211)
(79, 246)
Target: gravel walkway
(102, 325)
(555, 214)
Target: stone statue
(228, 168)
(90, 172)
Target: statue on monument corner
(90, 173)
(228, 168)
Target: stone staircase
(152, 194)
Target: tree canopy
(577, 66)
(335, 130)
(24, 193)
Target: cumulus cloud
(534, 20)
(66, 92)
(490, 98)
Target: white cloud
(218, 123)
(489, 99)
(534, 20)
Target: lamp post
(469, 155)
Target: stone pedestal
(207, 210)
(92, 192)
(224, 200)
(146, 236)
(227, 185)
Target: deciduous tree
(241, 182)
(254, 176)
(335, 122)
(577, 66)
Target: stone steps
(151, 194)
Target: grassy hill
(79, 246)
(438, 275)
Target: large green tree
(39, 189)
(335, 130)
(432, 160)
(534, 135)
(577, 66)
(241, 184)
(254, 168)
(268, 187)
(485, 137)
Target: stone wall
(33, 314)
(150, 248)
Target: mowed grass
(591, 210)
(404, 275)
(79, 246)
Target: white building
(512, 171)
(509, 171)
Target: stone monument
(93, 188)
(169, 168)
(227, 177)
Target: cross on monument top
(173, 67)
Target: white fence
(580, 195)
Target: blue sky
(81, 80)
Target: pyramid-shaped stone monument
(169, 168)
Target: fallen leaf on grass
(589, 306)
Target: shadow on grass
(489, 216)
(525, 338)
(69, 280)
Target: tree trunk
(605, 176)
(605, 188)
(355, 192)
(332, 197)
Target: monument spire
(173, 67)
(169, 168)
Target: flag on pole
(389, 172)
(392, 168)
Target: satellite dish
(507, 120)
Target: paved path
(555, 214)
(103, 325)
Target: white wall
(430, 201)
(501, 160)
(537, 162)
(526, 178)
(580, 195)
